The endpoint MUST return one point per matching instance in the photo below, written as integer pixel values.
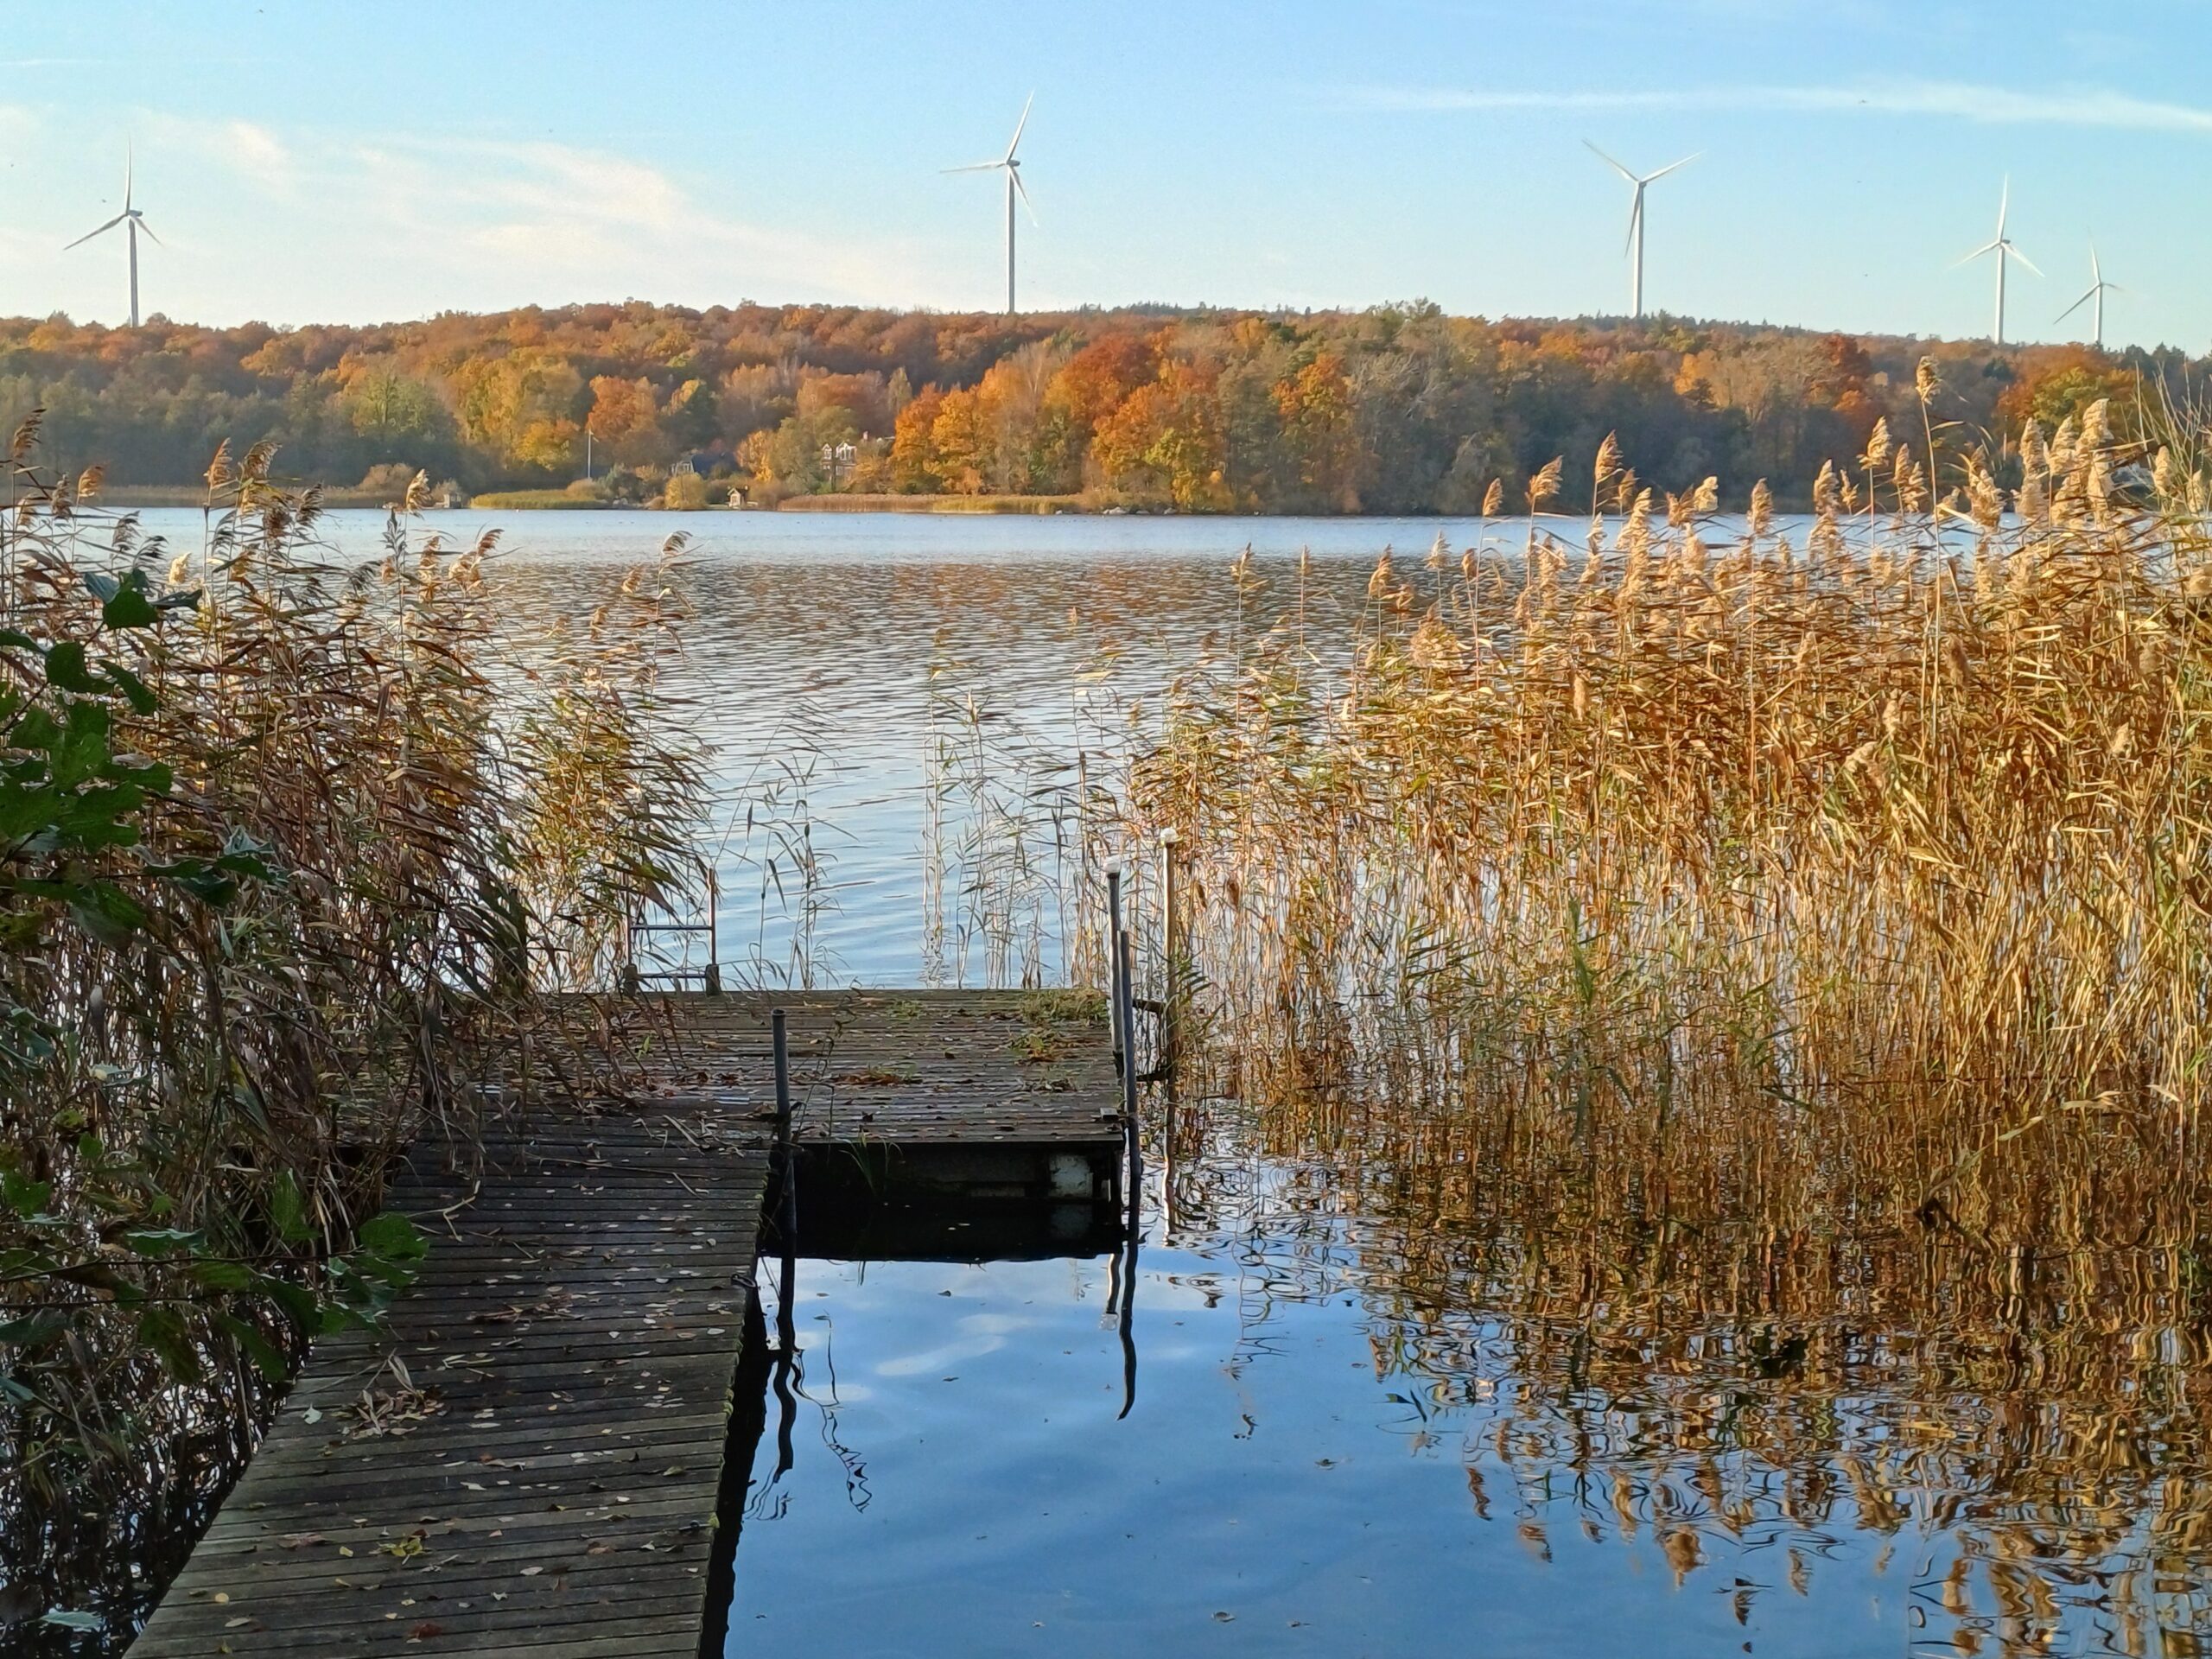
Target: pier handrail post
(1129, 1028)
(1122, 1016)
(788, 1204)
(1124, 1003)
(1123, 1048)
(714, 932)
(1172, 949)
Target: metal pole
(1121, 998)
(714, 932)
(1128, 1029)
(1114, 965)
(1172, 947)
(789, 1207)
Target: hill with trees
(1396, 409)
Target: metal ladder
(642, 931)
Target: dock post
(1172, 950)
(1121, 1015)
(787, 1199)
(1128, 1029)
(1122, 1046)
(714, 932)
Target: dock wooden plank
(932, 1066)
(542, 1475)
(537, 1472)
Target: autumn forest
(1397, 409)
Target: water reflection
(1376, 1422)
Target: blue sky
(313, 160)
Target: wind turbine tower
(132, 222)
(1635, 219)
(1012, 165)
(2001, 246)
(2093, 297)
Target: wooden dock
(530, 1458)
(976, 1095)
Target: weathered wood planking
(577, 1326)
(1001, 1094)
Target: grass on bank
(537, 501)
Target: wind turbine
(1013, 186)
(1635, 219)
(132, 222)
(2001, 246)
(2097, 290)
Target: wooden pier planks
(551, 1491)
(906, 1070)
(547, 1484)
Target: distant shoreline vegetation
(1395, 410)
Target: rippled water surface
(833, 658)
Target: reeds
(1731, 999)
(1863, 879)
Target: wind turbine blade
(975, 167)
(2004, 202)
(89, 235)
(1635, 218)
(1968, 259)
(148, 229)
(1017, 127)
(2076, 306)
(1664, 171)
(1610, 162)
(1022, 190)
(130, 167)
(2023, 258)
(2095, 274)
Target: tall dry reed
(1860, 877)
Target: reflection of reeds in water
(2015, 1438)
(1756, 996)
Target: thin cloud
(481, 221)
(2088, 106)
(588, 214)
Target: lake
(1376, 1409)
(830, 653)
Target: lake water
(1374, 1413)
(965, 1482)
(831, 655)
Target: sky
(305, 161)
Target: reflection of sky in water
(963, 1485)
